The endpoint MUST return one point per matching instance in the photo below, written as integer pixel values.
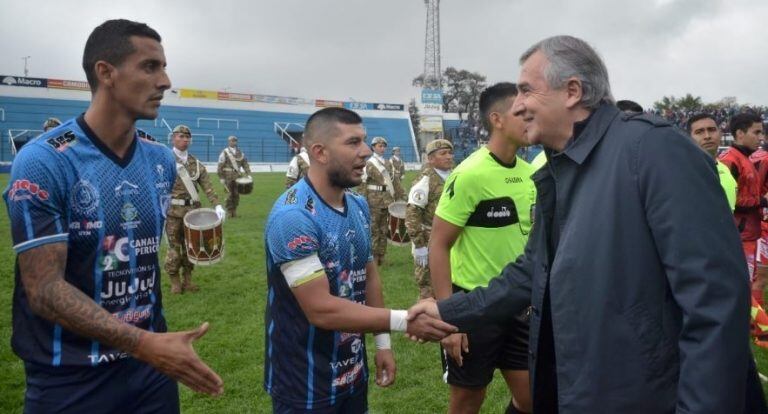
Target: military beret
(438, 144)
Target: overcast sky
(371, 50)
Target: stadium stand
(259, 126)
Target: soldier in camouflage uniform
(378, 188)
(398, 173)
(231, 161)
(298, 168)
(191, 174)
(422, 203)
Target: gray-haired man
(632, 312)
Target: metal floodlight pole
(432, 72)
(26, 69)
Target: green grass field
(232, 299)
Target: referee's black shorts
(491, 346)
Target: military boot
(187, 284)
(175, 284)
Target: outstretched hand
(425, 324)
(172, 354)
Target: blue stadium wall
(255, 128)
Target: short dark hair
(626, 105)
(111, 43)
(698, 117)
(319, 122)
(743, 121)
(493, 95)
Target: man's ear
(574, 92)
(318, 152)
(105, 73)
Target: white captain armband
(303, 270)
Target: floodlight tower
(432, 73)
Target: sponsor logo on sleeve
(310, 206)
(26, 190)
(61, 142)
(290, 198)
(302, 242)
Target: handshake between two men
(424, 322)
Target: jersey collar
(98, 143)
(346, 202)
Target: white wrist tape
(397, 320)
(383, 341)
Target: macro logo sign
(22, 81)
(84, 197)
(26, 190)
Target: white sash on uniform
(384, 173)
(232, 160)
(187, 181)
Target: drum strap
(384, 173)
(187, 181)
(232, 159)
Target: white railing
(16, 133)
(219, 121)
(281, 128)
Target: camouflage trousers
(423, 281)
(176, 257)
(233, 196)
(379, 229)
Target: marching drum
(203, 236)
(244, 184)
(397, 235)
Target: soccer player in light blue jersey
(87, 203)
(324, 288)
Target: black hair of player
(491, 96)
(325, 117)
(111, 42)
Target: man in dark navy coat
(634, 273)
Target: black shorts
(127, 386)
(491, 347)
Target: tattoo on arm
(53, 298)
